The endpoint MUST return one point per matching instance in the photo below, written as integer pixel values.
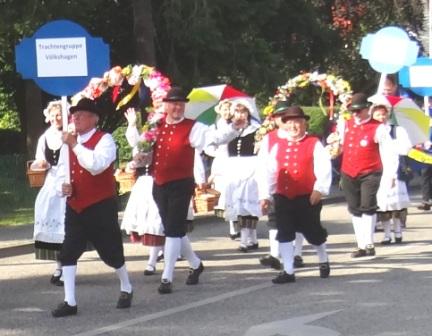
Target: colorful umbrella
(408, 115)
(203, 100)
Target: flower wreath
(337, 89)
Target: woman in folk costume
(297, 174)
(392, 195)
(141, 219)
(240, 197)
(50, 205)
(218, 171)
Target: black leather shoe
(243, 248)
(160, 257)
(150, 271)
(424, 206)
(284, 277)
(63, 309)
(298, 261)
(398, 240)
(55, 279)
(253, 246)
(165, 287)
(194, 274)
(358, 253)
(270, 261)
(386, 241)
(125, 300)
(235, 236)
(324, 269)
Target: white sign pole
(381, 83)
(65, 120)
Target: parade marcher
(298, 174)
(392, 195)
(91, 208)
(218, 171)
(172, 164)
(141, 219)
(265, 146)
(364, 140)
(240, 196)
(50, 204)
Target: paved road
(387, 296)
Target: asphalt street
(388, 295)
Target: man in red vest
(363, 141)
(172, 166)
(297, 174)
(91, 210)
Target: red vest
(295, 167)
(173, 155)
(360, 151)
(88, 189)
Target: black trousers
(97, 224)
(360, 193)
(173, 199)
(298, 215)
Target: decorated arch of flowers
(334, 89)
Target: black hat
(293, 112)
(280, 107)
(358, 102)
(85, 104)
(176, 94)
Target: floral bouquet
(147, 139)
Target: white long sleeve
(199, 169)
(132, 135)
(202, 135)
(96, 160)
(388, 151)
(322, 169)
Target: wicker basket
(205, 201)
(36, 178)
(126, 181)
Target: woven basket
(126, 181)
(205, 201)
(36, 178)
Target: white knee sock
(125, 285)
(232, 228)
(286, 250)
(171, 253)
(368, 223)
(188, 253)
(321, 252)
(397, 227)
(153, 254)
(387, 229)
(298, 244)
(251, 236)
(274, 244)
(244, 237)
(357, 225)
(69, 273)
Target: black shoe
(370, 251)
(160, 257)
(298, 261)
(284, 277)
(386, 241)
(55, 279)
(124, 300)
(253, 246)
(398, 240)
(150, 271)
(165, 287)
(424, 206)
(63, 309)
(243, 248)
(358, 253)
(235, 236)
(194, 274)
(324, 269)
(270, 261)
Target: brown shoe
(424, 206)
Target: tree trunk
(144, 32)
(34, 118)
